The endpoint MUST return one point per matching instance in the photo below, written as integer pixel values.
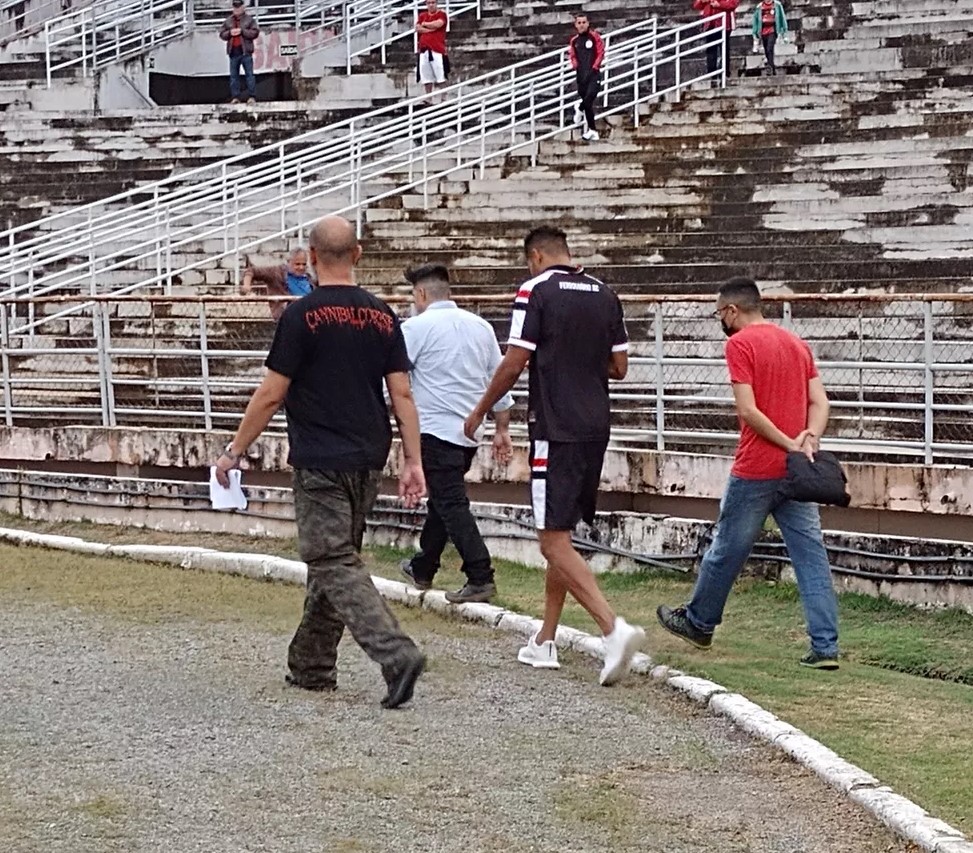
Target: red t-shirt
(436, 40)
(778, 365)
(768, 18)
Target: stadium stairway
(51, 162)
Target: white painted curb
(899, 814)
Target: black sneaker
(403, 683)
(675, 621)
(406, 567)
(472, 593)
(813, 660)
(316, 686)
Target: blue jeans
(246, 62)
(743, 511)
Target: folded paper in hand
(231, 498)
(821, 481)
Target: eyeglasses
(718, 313)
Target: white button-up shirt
(454, 355)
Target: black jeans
(713, 55)
(589, 85)
(448, 515)
(770, 42)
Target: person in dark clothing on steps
(586, 50)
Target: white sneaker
(620, 645)
(591, 135)
(543, 656)
(578, 113)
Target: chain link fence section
(899, 371)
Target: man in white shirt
(454, 354)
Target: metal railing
(145, 237)
(898, 369)
(109, 31)
(20, 19)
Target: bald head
(333, 242)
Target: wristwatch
(229, 454)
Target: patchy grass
(912, 732)
(602, 802)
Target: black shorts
(564, 478)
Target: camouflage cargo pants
(331, 507)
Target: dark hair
(742, 292)
(546, 237)
(427, 272)
(580, 14)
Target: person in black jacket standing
(586, 51)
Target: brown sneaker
(471, 593)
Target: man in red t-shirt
(782, 407)
(432, 64)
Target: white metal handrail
(281, 189)
(899, 368)
(110, 31)
(19, 20)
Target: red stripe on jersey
(539, 463)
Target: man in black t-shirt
(571, 329)
(331, 353)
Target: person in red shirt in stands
(726, 8)
(432, 66)
(782, 407)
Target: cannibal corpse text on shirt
(356, 316)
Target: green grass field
(901, 706)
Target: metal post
(425, 165)
(605, 79)
(92, 281)
(98, 330)
(8, 415)
(787, 316)
(359, 222)
(723, 57)
(47, 51)
(660, 383)
(382, 30)
(655, 55)
(482, 140)
(676, 60)
(167, 284)
(84, 42)
(236, 233)
(563, 87)
(928, 356)
(533, 131)
(513, 107)
(204, 368)
(635, 90)
(282, 189)
(347, 34)
(109, 385)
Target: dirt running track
(124, 731)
